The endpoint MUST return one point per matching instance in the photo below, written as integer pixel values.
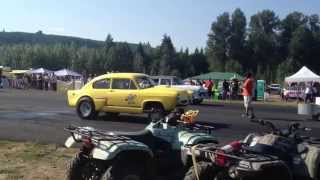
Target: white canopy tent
(303, 75)
(67, 72)
(39, 71)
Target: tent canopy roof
(303, 75)
(67, 72)
(218, 76)
(40, 71)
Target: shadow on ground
(124, 118)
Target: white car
(198, 92)
(275, 88)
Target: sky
(187, 22)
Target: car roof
(120, 75)
(167, 77)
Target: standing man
(247, 95)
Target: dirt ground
(31, 161)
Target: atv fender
(312, 160)
(191, 138)
(108, 150)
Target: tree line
(268, 46)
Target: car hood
(165, 89)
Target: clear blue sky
(186, 21)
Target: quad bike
(158, 150)
(281, 154)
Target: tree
(139, 60)
(167, 56)
(198, 62)
(108, 42)
(237, 39)
(287, 26)
(263, 40)
(217, 44)
(119, 58)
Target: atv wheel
(75, 168)
(315, 117)
(205, 171)
(318, 173)
(123, 170)
(86, 109)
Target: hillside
(7, 38)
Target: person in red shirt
(247, 95)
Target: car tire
(86, 109)
(197, 101)
(122, 169)
(157, 112)
(206, 171)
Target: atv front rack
(93, 134)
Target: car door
(124, 93)
(100, 90)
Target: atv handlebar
(292, 129)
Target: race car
(116, 93)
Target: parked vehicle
(197, 92)
(281, 154)
(274, 88)
(159, 149)
(116, 93)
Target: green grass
(33, 161)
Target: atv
(280, 154)
(158, 150)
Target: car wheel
(157, 112)
(197, 101)
(86, 109)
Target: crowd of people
(44, 81)
(229, 89)
(306, 92)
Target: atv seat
(268, 150)
(145, 137)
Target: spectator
(308, 94)
(209, 85)
(225, 89)
(247, 96)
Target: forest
(269, 47)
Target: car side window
(101, 84)
(165, 82)
(123, 84)
(156, 81)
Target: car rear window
(165, 82)
(123, 84)
(102, 84)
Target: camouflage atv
(282, 154)
(158, 150)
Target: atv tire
(205, 171)
(86, 109)
(123, 170)
(75, 168)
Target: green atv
(158, 150)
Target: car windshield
(177, 81)
(144, 82)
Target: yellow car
(116, 93)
